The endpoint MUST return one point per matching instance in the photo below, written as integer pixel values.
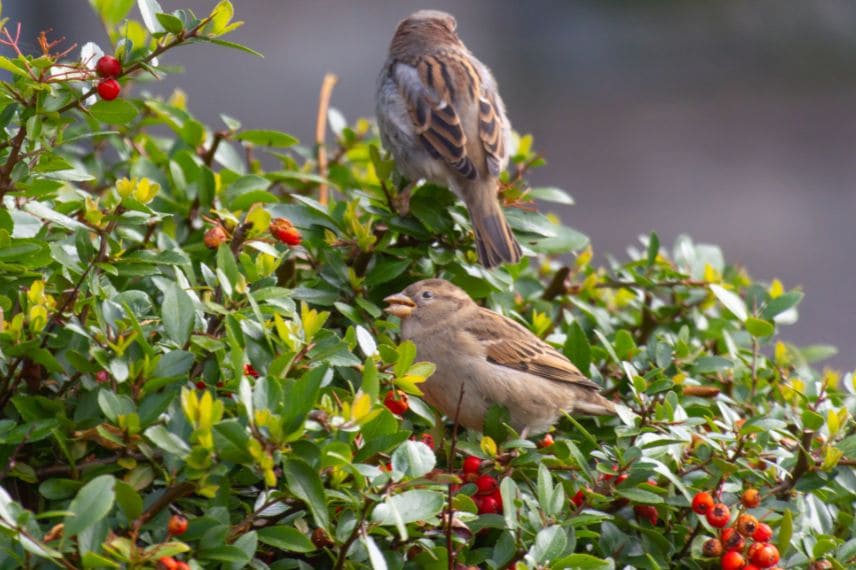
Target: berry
(646, 512)
(109, 89)
(102, 376)
(108, 66)
(579, 498)
(753, 548)
(546, 441)
(712, 547)
(177, 525)
(200, 385)
(284, 231)
(763, 533)
(732, 539)
(167, 563)
(486, 485)
(766, 556)
(250, 371)
(472, 464)
(718, 516)
(396, 402)
(732, 560)
(497, 496)
(702, 503)
(751, 498)
(428, 440)
(609, 476)
(751, 567)
(214, 237)
(321, 539)
(746, 524)
(488, 505)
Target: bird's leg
(401, 202)
(525, 433)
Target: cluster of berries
(176, 526)
(280, 228)
(642, 512)
(731, 546)
(487, 496)
(396, 402)
(108, 68)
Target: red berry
(497, 496)
(751, 498)
(753, 548)
(621, 478)
(108, 66)
(702, 502)
(732, 539)
(177, 525)
(167, 563)
(751, 567)
(102, 376)
(718, 516)
(732, 560)
(200, 385)
(712, 548)
(109, 89)
(766, 556)
(284, 231)
(609, 476)
(214, 237)
(763, 533)
(396, 402)
(428, 440)
(250, 371)
(488, 505)
(546, 441)
(579, 498)
(646, 512)
(486, 485)
(472, 464)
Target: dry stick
(320, 130)
(450, 462)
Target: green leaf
(129, 500)
(577, 348)
(731, 301)
(232, 442)
(782, 303)
(267, 137)
(549, 544)
(167, 441)
(582, 562)
(170, 23)
(640, 496)
(178, 314)
(300, 397)
(285, 538)
(112, 11)
(653, 248)
(759, 328)
(233, 45)
(115, 112)
(550, 194)
(92, 503)
(413, 458)
(305, 484)
(407, 507)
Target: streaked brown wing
(510, 344)
(429, 93)
(490, 132)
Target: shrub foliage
(163, 351)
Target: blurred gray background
(732, 121)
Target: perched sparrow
(441, 116)
(494, 359)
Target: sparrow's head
(425, 28)
(428, 301)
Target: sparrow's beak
(399, 305)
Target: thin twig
(450, 512)
(321, 130)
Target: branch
(320, 130)
(12, 160)
(169, 495)
(801, 467)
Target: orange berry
(284, 231)
(177, 525)
(546, 441)
(702, 503)
(763, 533)
(167, 563)
(712, 547)
(766, 556)
(214, 237)
(732, 539)
(751, 498)
(718, 516)
(732, 560)
(746, 524)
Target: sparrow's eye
(427, 294)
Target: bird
(440, 115)
(492, 358)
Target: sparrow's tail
(494, 241)
(592, 403)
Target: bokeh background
(734, 122)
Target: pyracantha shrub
(194, 360)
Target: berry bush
(196, 372)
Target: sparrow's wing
(490, 132)
(429, 91)
(509, 344)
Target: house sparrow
(441, 116)
(496, 360)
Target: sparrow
(441, 117)
(493, 359)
